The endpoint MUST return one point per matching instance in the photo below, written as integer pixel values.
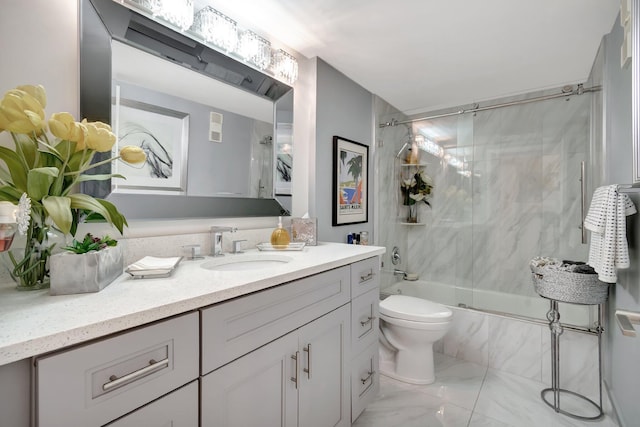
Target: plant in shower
(417, 188)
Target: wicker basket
(568, 286)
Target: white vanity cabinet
(298, 379)
(301, 376)
(303, 353)
(365, 298)
(97, 383)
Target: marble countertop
(33, 322)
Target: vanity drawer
(234, 328)
(99, 382)
(365, 382)
(365, 276)
(177, 409)
(364, 320)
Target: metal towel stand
(553, 315)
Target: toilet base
(413, 368)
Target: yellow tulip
(21, 113)
(64, 126)
(132, 154)
(99, 136)
(37, 92)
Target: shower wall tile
(467, 338)
(515, 347)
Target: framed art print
(350, 181)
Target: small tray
(293, 246)
(158, 267)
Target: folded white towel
(149, 266)
(606, 220)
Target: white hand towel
(606, 220)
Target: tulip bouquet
(41, 174)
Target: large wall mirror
(217, 132)
(635, 100)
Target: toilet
(408, 328)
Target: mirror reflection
(209, 142)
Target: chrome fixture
(236, 248)
(216, 242)
(395, 256)
(397, 272)
(476, 107)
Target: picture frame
(350, 182)
(164, 135)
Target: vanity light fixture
(255, 49)
(223, 34)
(285, 66)
(216, 28)
(178, 12)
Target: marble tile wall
(522, 348)
(522, 200)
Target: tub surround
(33, 322)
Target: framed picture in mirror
(163, 135)
(350, 181)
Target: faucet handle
(236, 249)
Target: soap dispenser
(280, 236)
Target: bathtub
(501, 303)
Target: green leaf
(108, 210)
(28, 149)
(59, 209)
(39, 181)
(10, 194)
(16, 167)
(99, 177)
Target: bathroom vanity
(291, 344)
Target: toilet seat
(414, 309)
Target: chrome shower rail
(476, 108)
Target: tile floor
(467, 394)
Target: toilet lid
(416, 309)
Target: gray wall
(345, 109)
(622, 355)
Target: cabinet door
(254, 390)
(177, 409)
(324, 398)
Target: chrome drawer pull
(152, 367)
(295, 379)
(368, 377)
(307, 349)
(367, 277)
(369, 320)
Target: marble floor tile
(466, 394)
(457, 381)
(405, 407)
(516, 401)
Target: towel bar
(626, 320)
(628, 188)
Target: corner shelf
(417, 165)
(413, 223)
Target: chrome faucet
(216, 241)
(397, 272)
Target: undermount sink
(246, 262)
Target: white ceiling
(422, 55)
